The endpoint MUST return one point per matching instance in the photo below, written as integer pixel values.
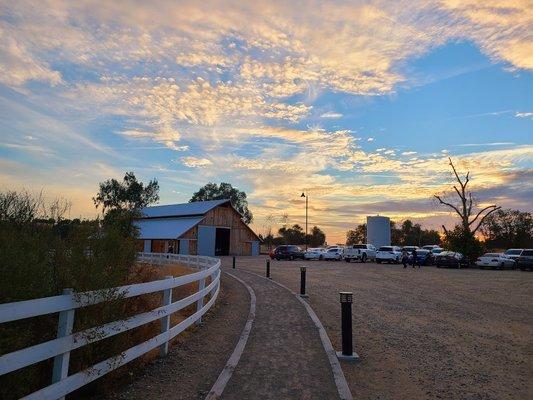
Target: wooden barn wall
(225, 217)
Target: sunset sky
(360, 103)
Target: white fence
(68, 302)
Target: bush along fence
(67, 341)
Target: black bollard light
(268, 267)
(347, 353)
(233, 262)
(302, 282)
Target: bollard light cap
(346, 297)
(302, 269)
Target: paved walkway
(284, 357)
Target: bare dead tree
(464, 209)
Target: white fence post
(165, 321)
(200, 302)
(64, 328)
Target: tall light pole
(306, 204)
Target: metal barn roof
(181, 210)
(165, 228)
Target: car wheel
(378, 261)
(437, 265)
(347, 260)
(321, 258)
(363, 258)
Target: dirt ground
(195, 361)
(424, 333)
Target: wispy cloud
(331, 114)
(485, 144)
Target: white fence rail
(68, 302)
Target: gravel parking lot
(424, 333)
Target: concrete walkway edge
(340, 381)
(224, 377)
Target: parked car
(361, 252)
(451, 259)
(410, 249)
(495, 260)
(335, 253)
(423, 257)
(287, 252)
(513, 253)
(525, 261)
(391, 254)
(431, 247)
(314, 254)
(436, 250)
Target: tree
(122, 201)
(128, 195)
(464, 209)
(316, 238)
(357, 235)
(212, 191)
(413, 234)
(506, 229)
(292, 235)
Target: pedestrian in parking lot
(405, 258)
(415, 258)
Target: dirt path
(284, 357)
(425, 334)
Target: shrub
(40, 256)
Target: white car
(334, 253)
(314, 254)
(359, 252)
(431, 247)
(495, 260)
(514, 253)
(389, 254)
(409, 249)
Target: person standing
(405, 258)
(415, 258)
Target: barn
(208, 228)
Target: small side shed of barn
(210, 228)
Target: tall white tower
(378, 231)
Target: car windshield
(422, 251)
(333, 250)
(513, 252)
(359, 246)
(437, 251)
(385, 248)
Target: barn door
(222, 241)
(206, 240)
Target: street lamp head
(303, 194)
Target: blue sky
(360, 103)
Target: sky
(360, 104)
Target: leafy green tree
(122, 202)
(357, 235)
(130, 194)
(292, 235)
(506, 229)
(316, 238)
(212, 191)
(463, 242)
